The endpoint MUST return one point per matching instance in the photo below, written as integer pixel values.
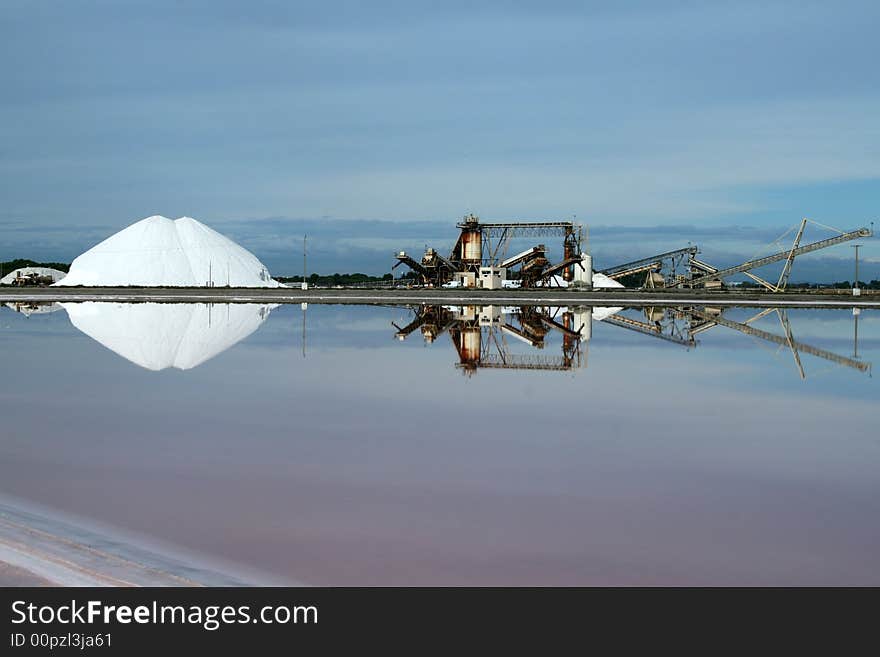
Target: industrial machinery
(479, 259)
(32, 279)
(479, 256)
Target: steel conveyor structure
(415, 265)
(531, 252)
(652, 262)
(787, 254)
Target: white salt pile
(158, 251)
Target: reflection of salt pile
(157, 251)
(29, 308)
(601, 313)
(157, 335)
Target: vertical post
(305, 285)
(786, 269)
(856, 290)
(856, 312)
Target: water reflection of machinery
(665, 323)
(681, 325)
(707, 318)
(480, 335)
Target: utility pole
(305, 284)
(856, 289)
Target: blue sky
(264, 119)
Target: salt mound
(599, 281)
(158, 251)
(46, 272)
(157, 336)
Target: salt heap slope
(157, 336)
(158, 251)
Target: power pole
(305, 284)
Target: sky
(375, 126)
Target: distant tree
(19, 263)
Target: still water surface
(434, 446)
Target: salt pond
(362, 453)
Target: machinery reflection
(483, 336)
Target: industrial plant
(479, 259)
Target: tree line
(336, 279)
(11, 265)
